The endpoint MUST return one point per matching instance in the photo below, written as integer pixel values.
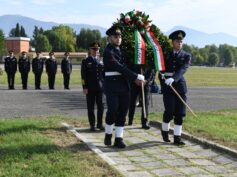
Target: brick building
(17, 44)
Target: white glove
(140, 77)
(169, 81)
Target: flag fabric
(140, 47)
(158, 54)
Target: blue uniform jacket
(92, 74)
(177, 65)
(114, 61)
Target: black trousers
(117, 103)
(66, 80)
(95, 97)
(38, 80)
(11, 80)
(51, 80)
(174, 108)
(24, 79)
(136, 91)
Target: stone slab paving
(147, 155)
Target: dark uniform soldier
(136, 91)
(66, 68)
(176, 65)
(11, 68)
(24, 69)
(92, 82)
(37, 68)
(51, 70)
(117, 87)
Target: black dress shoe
(119, 143)
(107, 140)
(129, 122)
(165, 136)
(146, 127)
(178, 141)
(100, 127)
(92, 129)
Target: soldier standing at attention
(10, 68)
(37, 68)
(176, 65)
(24, 68)
(51, 70)
(92, 83)
(66, 68)
(117, 87)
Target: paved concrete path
(147, 155)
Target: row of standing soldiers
(37, 68)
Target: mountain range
(193, 37)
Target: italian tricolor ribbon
(158, 54)
(140, 48)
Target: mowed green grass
(219, 126)
(211, 77)
(195, 76)
(35, 147)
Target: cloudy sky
(209, 16)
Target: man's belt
(112, 73)
(169, 74)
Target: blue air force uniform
(24, 69)
(66, 68)
(37, 68)
(92, 80)
(176, 65)
(117, 89)
(51, 70)
(10, 68)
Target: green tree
(42, 43)
(87, 36)
(199, 60)
(228, 57)
(17, 30)
(62, 38)
(213, 59)
(2, 46)
(23, 33)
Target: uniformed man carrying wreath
(176, 65)
(117, 87)
(92, 82)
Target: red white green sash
(140, 48)
(158, 54)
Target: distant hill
(7, 22)
(200, 39)
(197, 38)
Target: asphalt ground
(26, 103)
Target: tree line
(63, 38)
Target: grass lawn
(211, 77)
(196, 77)
(219, 126)
(42, 147)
